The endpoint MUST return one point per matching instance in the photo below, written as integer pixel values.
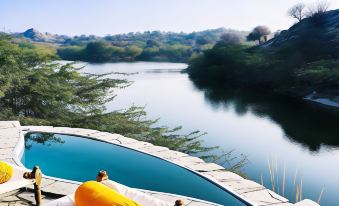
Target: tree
(152, 43)
(297, 11)
(318, 8)
(98, 51)
(231, 39)
(38, 91)
(133, 51)
(202, 40)
(258, 33)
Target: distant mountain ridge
(37, 36)
(133, 46)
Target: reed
(295, 176)
(277, 172)
(321, 194)
(284, 179)
(301, 189)
(278, 180)
(270, 168)
(297, 194)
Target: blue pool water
(80, 159)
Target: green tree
(38, 91)
(98, 51)
(133, 51)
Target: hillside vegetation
(146, 46)
(297, 62)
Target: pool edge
(254, 199)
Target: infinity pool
(80, 159)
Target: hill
(146, 46)
(328, 23)
(302, 62)
(37, 36)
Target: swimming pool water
(80, 159)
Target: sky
(102, 17)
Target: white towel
(140, 197)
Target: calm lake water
(300, 138)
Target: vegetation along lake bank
(302, 61)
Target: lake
(299, 140)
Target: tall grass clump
(278, 182)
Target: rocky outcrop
(34, 35)
(330, 23)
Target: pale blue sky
(101, 17)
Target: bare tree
(318, 8)
(297, 11)
(259, 33)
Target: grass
(321, 194)
(278, 181)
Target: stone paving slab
(170, 154)
(223, 176)
(105, 138)
(22, 197)
(138, 145)
(29, 197)
(10, 131)
(206, 167)
(126, 140)
(243, 186)
(60, 188)
(100, 134)
(75, 131)
(264, 197)
(44, 183)
(5, 156)
(8, 144)
(185, 163)
(114, 141)
(6, 151)
(153, 149)
(38, 128)
(9, 124)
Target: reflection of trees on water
(302, 122)
(41, 138)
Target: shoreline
(330, 102)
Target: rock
(330, 25)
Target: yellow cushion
(93, 193)
(6, 172)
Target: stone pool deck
(11, 133)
